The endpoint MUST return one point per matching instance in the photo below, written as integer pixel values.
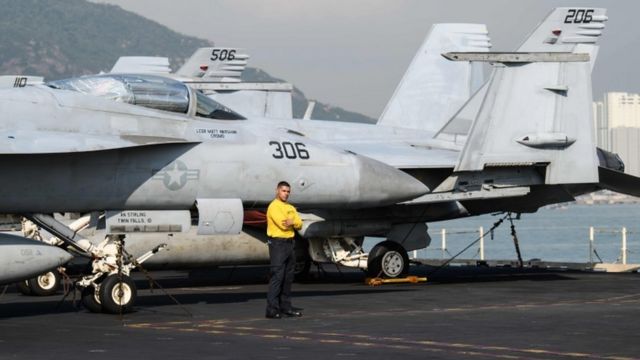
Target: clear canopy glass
(151, 91)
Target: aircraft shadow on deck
(172, 283)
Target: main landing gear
(388, 259)
(42, 285)
(109, 288)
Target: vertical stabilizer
(567, 29)
(215, 64)
(564, 28)
(536, 114)
(432, 88)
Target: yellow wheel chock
(376, 281)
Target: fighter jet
(101, 154)
(518, 157)
(522, 141)
(423, 135)
(423, 132)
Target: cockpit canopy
(150, 91)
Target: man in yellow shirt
(282, 220)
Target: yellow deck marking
(372, 341)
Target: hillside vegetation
(65, 38)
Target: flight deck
(461, 312)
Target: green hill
(65, 38)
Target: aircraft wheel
(23, 287)
(46, 284)
(90, 300)
(388, 259)
(117, 294)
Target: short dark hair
(283, 183)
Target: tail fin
(563, 30)
(215, 63)
(18, 81)
(536, 114)
(432, 89)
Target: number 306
(289, 150)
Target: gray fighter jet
(101, 154)
(422, 133)
(522, 141)
(530, 145)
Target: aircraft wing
(50, 142)
(406, 156)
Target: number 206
(579, 16)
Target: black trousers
(283, 259)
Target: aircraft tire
(90, 301)
(46, 284)
(388, 259)
(117, 294)
(23, 287)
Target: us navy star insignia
(175, 175)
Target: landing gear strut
(109, 288)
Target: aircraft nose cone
(22, 258)
(381, 184)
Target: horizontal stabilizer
(516, 57)
(619, 182)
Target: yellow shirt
(277, 212)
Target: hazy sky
(352, 53)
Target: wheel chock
(376, 281)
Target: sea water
(550, 234)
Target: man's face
(283, 193)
